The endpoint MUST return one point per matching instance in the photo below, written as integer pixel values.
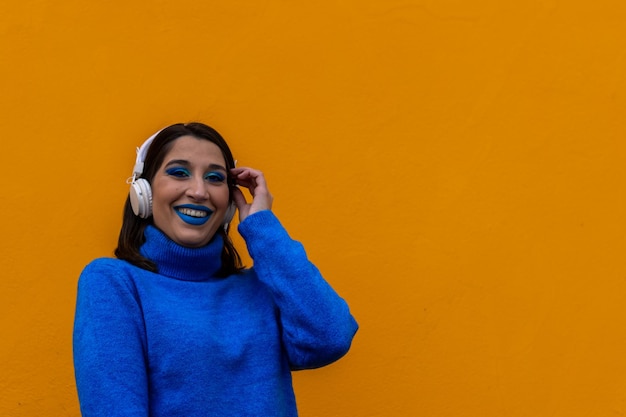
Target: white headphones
(141, 193)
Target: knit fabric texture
(184, 343)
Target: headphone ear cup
(230, 213)
(141, 198)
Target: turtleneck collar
(179, 262)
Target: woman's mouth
(192, 214)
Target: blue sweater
(183, 343)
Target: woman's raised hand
(254, 181)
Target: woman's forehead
(195, 150)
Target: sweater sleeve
(109, 340)
(317, 325)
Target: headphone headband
(141, 155)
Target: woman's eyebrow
(177, 162)
(217, 166)
(184, 162)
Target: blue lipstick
(194, 220)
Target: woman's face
(190, 192)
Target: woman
(175, 326)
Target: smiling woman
(175, 326)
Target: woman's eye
(215, 177)
(177, 172)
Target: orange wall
(456, 168)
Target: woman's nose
(197, 189)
